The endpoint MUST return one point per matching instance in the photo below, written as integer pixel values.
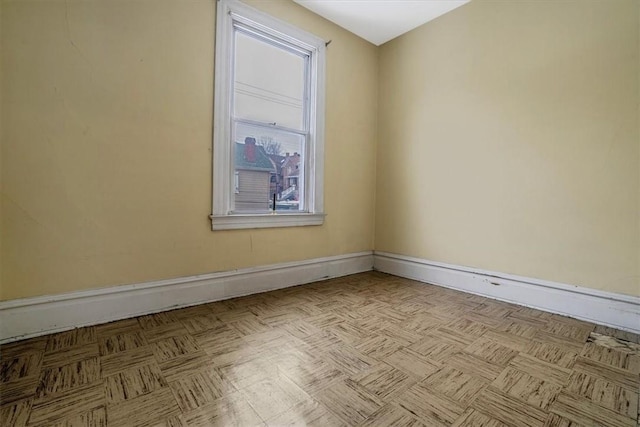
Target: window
(268, 123)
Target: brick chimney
(250, 149)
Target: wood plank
(431, 408)
(508, 409)
(583, 411)
(350, 401)
(73, 401)
(146, 410)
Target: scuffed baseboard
(604, 308)
(29, 317)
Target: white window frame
(222, 217)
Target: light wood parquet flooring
(363, 350)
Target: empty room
(319, 213)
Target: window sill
(240, 221)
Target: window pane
(269, 83)
(268, 162)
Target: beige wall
(106, 146)
(509, 141)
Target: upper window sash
(286, 46)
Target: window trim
(221, 217)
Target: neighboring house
(290, 177)
(253, 175)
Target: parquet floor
(369, 349)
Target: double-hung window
(268, 122)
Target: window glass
(269, 82)
(268, 162)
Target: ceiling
(379, 21)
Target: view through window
(270, 122)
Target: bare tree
(271, 146)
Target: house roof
(262, 162)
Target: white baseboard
(604, 308)
(29, 317)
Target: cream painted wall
(509, 141)
(106, 146)
(1, 150)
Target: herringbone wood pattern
(369, 349)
